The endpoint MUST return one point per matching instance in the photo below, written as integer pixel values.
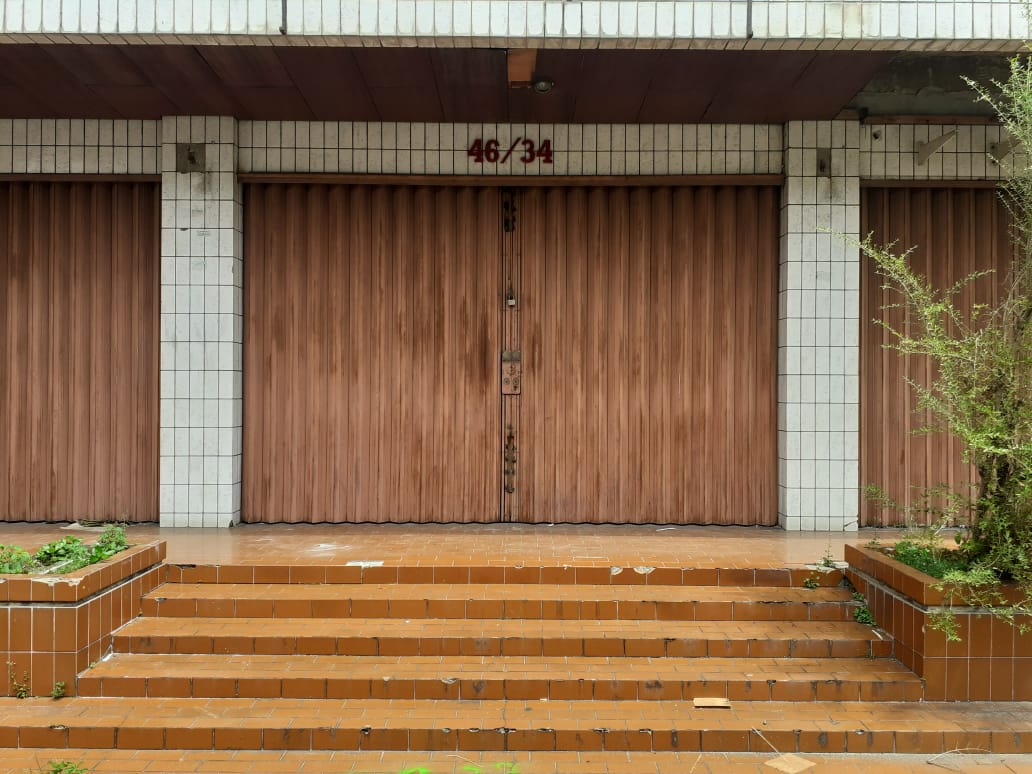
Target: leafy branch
(981, 391)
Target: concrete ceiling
(422, 84)
(930, 85)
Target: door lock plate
(512, 372)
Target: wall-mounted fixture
(189, 157)
(998, 151)
(925, 150)
(542, 86)
(824, 162)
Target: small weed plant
(58, 691)
(828, 560)
(19, 689)
(111, 541)
(62, 767)
(14, 559)
(862, 614)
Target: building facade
(499, 260)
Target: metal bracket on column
(925, 150)
(190, 157)
(824, 162)
(998, 151)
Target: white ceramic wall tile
(201, 327)
(891, 151)
(818, 328)
(504, 149)
(927, 24)
(78, 146)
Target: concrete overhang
(922, 25)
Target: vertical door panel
(78, 351)
(955, 232)
(371, 354)
(648, 332)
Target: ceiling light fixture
(542, 86)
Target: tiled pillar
(201, 323)
(819, 328)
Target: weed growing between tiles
(19, 688)
(862, 614)
(62, 767)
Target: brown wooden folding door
(474, 354)
(954, 232)
(650, 322)
(371, 390)
(78, 351)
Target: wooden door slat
(649, 370)
(371, 346)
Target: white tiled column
(201, 326)
(819, 329)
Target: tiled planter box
(992, 662)
(53, 626)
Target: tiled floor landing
(505, 545)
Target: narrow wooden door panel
(955, 232)
(78, 351)
(371, 354)
(648, 327)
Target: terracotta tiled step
(350, 724)
(13, 761)
(500, 677)
(472, 637)
(582, 572)
(445, 600)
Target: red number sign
(528, 151)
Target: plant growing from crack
(862, 614)
(62, 767)
(19, 689)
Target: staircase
(502, 662)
